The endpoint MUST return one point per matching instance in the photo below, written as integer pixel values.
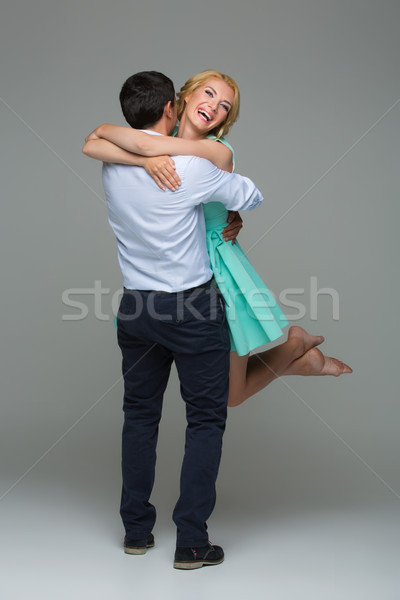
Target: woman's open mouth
(204, 115)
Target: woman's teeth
(204, 114)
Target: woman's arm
(161, 168)
(145, 144)
(108, 152)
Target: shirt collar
(151, 132)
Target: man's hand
(235, 224)
(162, 170)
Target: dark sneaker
(195, 558)
(138, 546)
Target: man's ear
(169, 109)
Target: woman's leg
(297, 356)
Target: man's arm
(205, 183)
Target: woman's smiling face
(208, 106)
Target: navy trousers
(155, 329)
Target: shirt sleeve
(205, 183)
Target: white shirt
(160, 234)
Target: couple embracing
(190, 294)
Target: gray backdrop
(319, 134)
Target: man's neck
(159, 128)
(162, 126)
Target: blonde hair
(196, 81)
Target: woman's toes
(334, 367)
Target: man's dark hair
(144, 96)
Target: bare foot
(305, 340)
(314, 362)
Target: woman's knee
(235, 398)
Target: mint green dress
(253, 315)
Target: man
(170, 311)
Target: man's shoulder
(116, 169)
(116, 175)
(109, 166)
(192, 163)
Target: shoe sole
(137, 550)
(189, 565)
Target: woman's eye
(225, 107)
(209, 93)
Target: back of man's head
(144, 96)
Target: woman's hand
(235, 224)
(162, 170)
(92, 136)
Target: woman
(208, 104)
